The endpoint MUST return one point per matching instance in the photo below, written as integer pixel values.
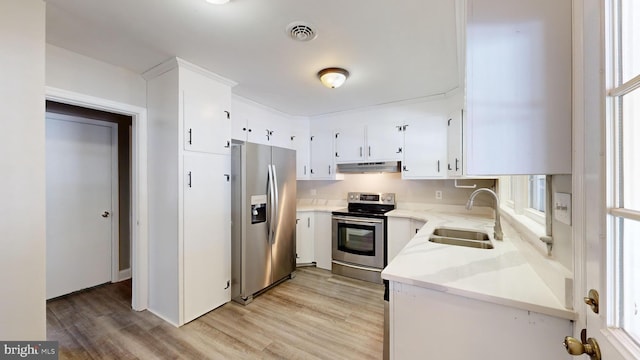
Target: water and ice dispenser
(258, 209)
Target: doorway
(88, 197)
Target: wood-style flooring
(316, 315)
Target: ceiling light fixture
(217, 2)
(333, 77)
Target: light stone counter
(500, 275)
(320, 205)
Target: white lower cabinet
(322, 239)
(305, 237)
(398, 235)
(207, 230)
(432, 324)
(399, 232)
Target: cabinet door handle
(305, 170)
(399, 150)
(404, 168)
(329, 169)
(189, 182)
(228, 144)
(457, 168)
(292, 137)
(244, 129)
(360, 151)
(337, 154)
(228, 285)
(399, 127)
(311, 171)
(227, 176)
(249, 130)
(308, 222)
(449, 166)
(228, 114)
(438, 165)
(369, 150)
(190, 135)
(297, 220)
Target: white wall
(407, 191)
(81, 74)
(22, 183)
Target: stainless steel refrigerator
(263, 214)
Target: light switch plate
(562, 207)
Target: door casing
(139, 191)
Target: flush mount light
(333, 77)
(217, 2)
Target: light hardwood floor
(316, 315)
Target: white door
(207, 233)
(385, 142)
(80, 203)
(425, 148)
(608, 211)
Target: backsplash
(414, 191)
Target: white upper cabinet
(454, 145)
(518, 87)
(322, 164)
(259, 124)
(350, 145)
(385, 142)
(206, 107)
(300, 142)
(425, 148)
(371, 143)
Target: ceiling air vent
(301, 31)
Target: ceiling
(394, 50)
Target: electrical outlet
(438, 195)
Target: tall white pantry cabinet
(189, 190)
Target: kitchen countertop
(320, 205)
(500, 275)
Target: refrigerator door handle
(271, 201)
(276, 198)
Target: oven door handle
(348, 220)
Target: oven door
(358, 240)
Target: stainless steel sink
(461, 234)
(459, 237)
(461, 242)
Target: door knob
(586, 346)
(105, 214)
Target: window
(623, 165)
(537, 192)
(525, 194)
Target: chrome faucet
(497, 229)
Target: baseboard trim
(124, 274)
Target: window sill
(530, 229)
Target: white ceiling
(394, 50)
